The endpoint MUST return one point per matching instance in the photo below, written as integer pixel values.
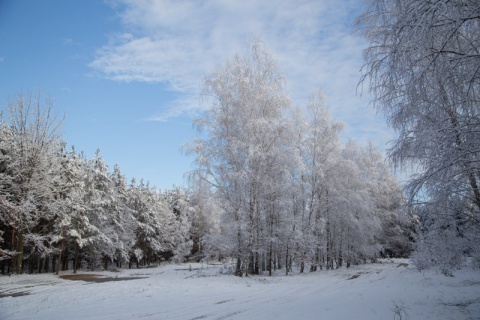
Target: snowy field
(389, 290)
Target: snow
(199, 291)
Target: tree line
(274, 188)
(60, 210)
(288, 191)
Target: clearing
(388, 290)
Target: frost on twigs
(422, 67)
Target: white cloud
(179, 42)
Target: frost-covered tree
(68, 222)
(145, 210)
(126, 228)
(162, 224)
(58, 207)
(442, 241)
(290, 192)
(422, 68)
(29, 140)
(95, 218)
(242, 151)
(180, 224)
(320, 157)
(7, 219)
(387, 203)
(205, 219)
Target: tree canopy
(422, 67)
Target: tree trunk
(329, 255)
(340, 256)
(238, 268)
(40, 264)
(264, 262)
(20, 248)
(54, 262)
(46, 266)
(31, 263)
(13, 261)
(313, 266)
(75, 261)
(270, 258)
(286, 260)
(458, 140)
(329, 248)
(302, 262)
(60, 257)
(65, 259)
(251, 264)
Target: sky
(127, 74)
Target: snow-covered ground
(389, 290)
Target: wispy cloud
(69, 42)
(179, 42)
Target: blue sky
(128, 73)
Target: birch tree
(244, 129)
(422, 67)
(322, 158)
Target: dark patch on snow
(224, 301)
(14, 294)
(200, 317)
(230, 315)
(462, 304)
(355, 276)
(95, 278)
(80, 276)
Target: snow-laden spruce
(60, 210)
